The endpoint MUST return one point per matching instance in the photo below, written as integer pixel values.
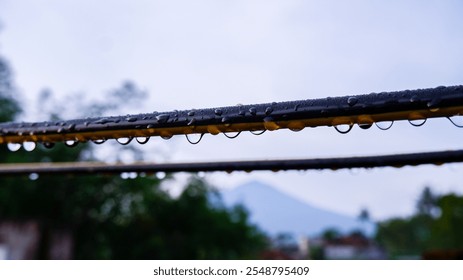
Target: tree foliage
(115, 218)
(437, 226)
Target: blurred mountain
(276, 212)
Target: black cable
(364, 110)
(230, 166)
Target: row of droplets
(342, 128)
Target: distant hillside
(276, 212)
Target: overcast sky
(198, 54)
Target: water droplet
(29, 146)
(100, 121)
(433, 105)
(124, 140)
(212, 129)
(343, 128)
(417, 122)
(257, 132)
(192, 121)
(268, 110)
(218, 112)
(352, 100)
(166, 135)
(131, 119)
(253, 111)
(162, 118)
(13, 146)
(296, 126)
(456, 120)
(72, 126)
(365, 125)
(414, 98)
(191, 113)
(269, 124)
(33, 176)
(125, 175)
(71, 143)
(201, 174)
(241, 113)
(133, 175)
(194, 141)
(232, 136)
(296, 107)
(142, 140)
(99, 141)
(48, 145)
(161, 175)
(385, 125)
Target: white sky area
(201, 54)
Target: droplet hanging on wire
(385, 125)
(142, 140)
(33, 176)
(29, 146)
(232, 136)
(456, 120)
(194, 142)
(343, 128)
(258, 132)
(365, 125)
(418, 122)
(71, 143)
(124, 140)
(99, 141)
(48, 145)
(14, 146)
(161, 175)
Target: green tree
(115, 218)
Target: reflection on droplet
(99, 141)
(456, 120)
(414, 98)
(191, 122)
(201, 174)
(218, 112)
(124, 140)
(142, 140)
(29, 146)
(253, 111)
(125, 175)
(71, 143)
(33, 176)
(343, 128)
(258, 132)
(418, 122)
(48, 145)
(133, 175)
(13, 146)
(162, 118)
(194, 141)
(268, 110)
(365, 125)
(385, 125)
(232, 136)
(352, 101)
(161, 175)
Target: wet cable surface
(379, 109)
(400, 160)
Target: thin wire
(400, 160)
